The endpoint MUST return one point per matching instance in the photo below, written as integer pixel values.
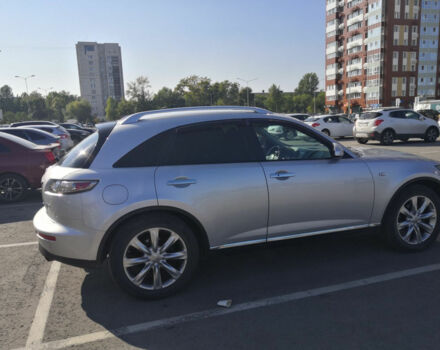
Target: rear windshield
(82, 155)
(370, 115)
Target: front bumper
(69, 245)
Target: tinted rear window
(370, 115)
(80, 155)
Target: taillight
(315, 125)
(49, 156)
(63, 136)
(377, 122)
(70, 186)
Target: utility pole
(25, 80)
(247, 87)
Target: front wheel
(155, 256)
(362, 141)
(431, 135)
(411, 223)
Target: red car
(22, 164)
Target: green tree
(111, 112)
(125, 108)
(308, 84)
(57, 102)
(167, 98)
(36, 106)
(196, 91)
(274, 99)
(79, 110)
(139, 92)
(301, 103)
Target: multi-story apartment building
(100, 74)
(381, 52)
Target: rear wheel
(152, 257)
(325, 131)
(362, 141)
(387, 137)
(431, 134)
(12, 188)
(412, 222)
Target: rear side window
(209, 144)
(370, 115)
(149, 153)
(35, 135)
(80, 155)
(398, 114)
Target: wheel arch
(16, 174)
(429, 182)
(189, 219)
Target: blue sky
(275, 41)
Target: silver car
(388, 124)
(156, 190)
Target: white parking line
(17, 244)
(36, 333)
(146, 326)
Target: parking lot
(340, 291)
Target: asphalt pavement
(340, 291)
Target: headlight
(70, 186)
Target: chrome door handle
(181, 182)
(282, 175)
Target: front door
(310, 191)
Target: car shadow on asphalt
(410, 143)
(251, 273)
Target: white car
(332, 125)
(388, 124)
(65, 139)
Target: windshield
(370, 115)
(81, 154)
(312, 119)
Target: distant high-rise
(100, 74)
(381, 52)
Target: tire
(13, 188)
(362, 141)
(387, 137)
(325, 131)
(431, 134)
(419, 238)
(151, 262)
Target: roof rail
(134, 118)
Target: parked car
(429, 113)
(332, 125)
(299, 116)
(39, 137)
(22, 164)
(163, 187)
(65, 138)
(388, 124)
(70, 126)
(32, 122)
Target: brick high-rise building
(380, 51)
(100, 74)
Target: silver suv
(388, 124)
(156, 190)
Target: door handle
(282, 175)
(181, 182)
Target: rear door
(346, 126)
(210, 173)
(334, 125)
(310, 191)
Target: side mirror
(338, 151)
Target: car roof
(19, 140)
(39, 131)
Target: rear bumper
(374, 135)
(69, 261)
(67, 244)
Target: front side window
(345, 120)
(278, 141)
(411, 115)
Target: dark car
(429, 113)
(72, 126)
(33, 122)
(22, 164)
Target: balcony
(331, 28)
(354, 89)
(354, 43)
(354, 66)
(329, 93)
(331, 50)
(331, 71)
(354, 20)
(331, 6)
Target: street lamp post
(25, 80)
(247, 87)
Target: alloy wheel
(416, 220)
(155, 258)
(431, 135)
(10, 189)
(388, 137)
